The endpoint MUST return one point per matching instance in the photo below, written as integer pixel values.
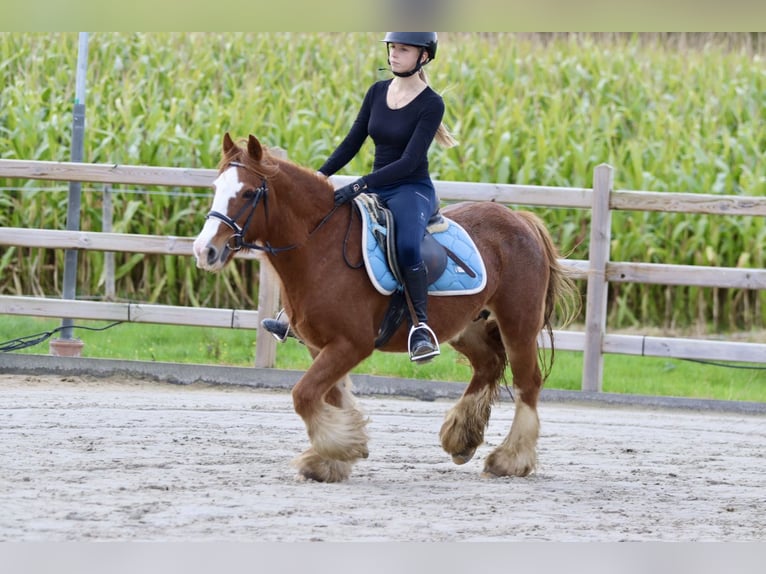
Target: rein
(261, 193)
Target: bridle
(237, 241)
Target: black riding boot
(278, 328)
(423, 345)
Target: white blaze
(227, 186)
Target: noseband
(237, 241)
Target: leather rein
(237, 241)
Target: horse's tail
(561, 293)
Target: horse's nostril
(212, 255)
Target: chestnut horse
(285, 210)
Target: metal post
(66, 346)
(106, 226)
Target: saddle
(454, 265)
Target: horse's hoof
(306, 474)
(463, 457)
(312, 466)
(498, 465)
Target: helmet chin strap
(412, 72)
(408, 74)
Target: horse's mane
(268, 166)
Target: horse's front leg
(335, 425)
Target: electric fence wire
(31, 340)
(726, 365)
(137, 191)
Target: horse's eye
(249, 194)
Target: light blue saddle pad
(453, 281)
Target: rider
(402, 115)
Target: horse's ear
(254, 148)
(228, 143)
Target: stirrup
(428, 355)
(280, 330)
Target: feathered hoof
(458, 441)
(311, 466)
(350, 452)
(338, 434)
(501, 463)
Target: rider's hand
(348, 192)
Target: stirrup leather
(425, 356)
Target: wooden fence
(598, 270)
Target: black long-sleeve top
(402, 136)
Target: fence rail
(598, 270)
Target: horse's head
(239, 205)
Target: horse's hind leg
(517, 454)
(463, 429)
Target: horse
(287, 212)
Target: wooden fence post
(598, 256)
(268, 303)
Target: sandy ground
(87, 459)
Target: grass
(622, 374)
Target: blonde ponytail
(443, 137)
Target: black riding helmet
(426, 41)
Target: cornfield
(681, 113)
